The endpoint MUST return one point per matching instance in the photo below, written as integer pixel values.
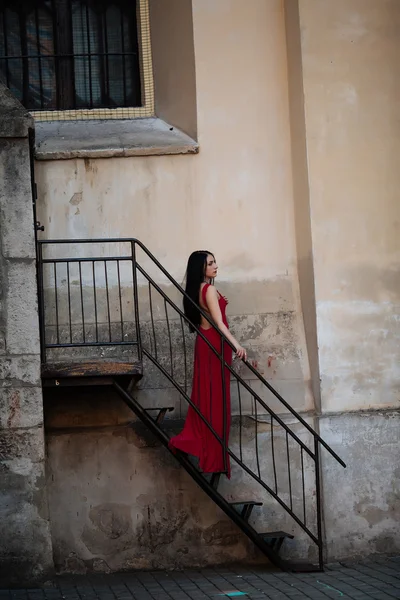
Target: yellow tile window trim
(146, 70)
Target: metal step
(245, 507)
(162, 411)
(275, 539)
(213, 479)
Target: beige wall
(301, 192)
(171, 26)
(351, 85)
(350, 66)
(234, 197)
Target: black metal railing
(111, 299)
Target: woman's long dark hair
(195, 272)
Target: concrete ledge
(57, 140)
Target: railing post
(319, 505)
(136, 301)
(42, 333)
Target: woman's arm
(215, 312)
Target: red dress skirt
(210, 392)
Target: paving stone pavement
(378, 578)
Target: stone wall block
(22, 446)
(17, 371)
(364, 498)
(16, 213)
(21, 407)
(15, 120)
(26, 544)
(2, 339)
(25, 541)
(22, 333)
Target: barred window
(71, 54)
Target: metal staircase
(91, 300)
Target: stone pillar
(25, 542)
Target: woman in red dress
(210, 390)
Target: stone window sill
(57, 140)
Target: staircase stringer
(251, 533)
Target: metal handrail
(198, 307)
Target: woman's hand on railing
(241, 352)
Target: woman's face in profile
(211, 267)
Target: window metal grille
(68, 55)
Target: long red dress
(209, 391)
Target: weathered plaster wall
(351, 72)
(234, 198)
(25, 544)
(362, 503)
(118, 500)
(350, 52)
(301, 192)
(123, 506)
(171, 26)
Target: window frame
(64, 73)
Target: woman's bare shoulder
(212, 292)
